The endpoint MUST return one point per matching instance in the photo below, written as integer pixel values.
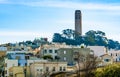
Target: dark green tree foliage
(108, 71)
(94, 38)
(90, 37)
(68, 33)
(48, 57)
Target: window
(64, 52)
(37, 69)
(45, 51)
(64, 69)
(18, 64)
(25, 64)
(60, 68)
(64, 58)
(40, 70)
(53, 68)
(107, 60)
(57, 57)
(26, 57)
(116, 59)
(50, 51)
(47, 69)
(111, 54)
(55, 51)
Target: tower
(78, 22)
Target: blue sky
(22, 20)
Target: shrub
(108, 71)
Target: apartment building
(52, 49)
(69, 54)
(19, 59)
(45, 69)
(115, 54)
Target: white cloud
(22, 36)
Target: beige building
(9, 63)
(16, 72)
(106, 60)
(41, 69)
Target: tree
(79, 59)
(90, 37)
(108, 71)
(89, 65)
(85, 63)
(57, 38)
(70, 37)
(68, 33)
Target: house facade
(106, 60)
(69, 54)
(115, 54)
(19, 59)
(52, 49)
(41, 69)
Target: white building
(98, 50)
(115, 54)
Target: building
(45, 69)
(98, 50)
(19, 59)
(115, 54)
(69, 54)
(78, 22)
(106, 60)
(52, 49)
(16, 71)
(2, 48)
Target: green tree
(68, 33)
(108, 71)
(49, 57)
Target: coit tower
(78, 22)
